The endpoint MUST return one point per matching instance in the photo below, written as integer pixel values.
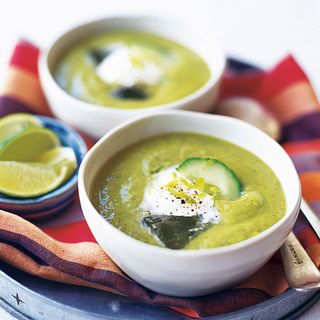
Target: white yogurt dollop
(158, 200)
(125, 66)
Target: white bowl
(190, 272)
(96, 120)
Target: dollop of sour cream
(169, 193)
(126, 66)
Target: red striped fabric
(66, 244)
(70, 233)
(25, 57)
(299, 147)
(263, 85)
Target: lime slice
(26, 180)
(16, 123)
(29, 145)
(60, 156)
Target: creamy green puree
(119, 188)
(128, 69)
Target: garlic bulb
(251, 111)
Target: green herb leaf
(175, 231)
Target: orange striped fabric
(65, 250)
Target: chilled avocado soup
(130, 69)
(188, 191)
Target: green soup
(120, 189)
(127, 70)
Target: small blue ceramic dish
(51, 203)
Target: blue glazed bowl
(45, 206)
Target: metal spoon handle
(311, 217)
(302, 274)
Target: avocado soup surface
(159, 191)
(130, 69)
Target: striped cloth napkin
(63, 249)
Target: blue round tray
(27, 297)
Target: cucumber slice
(213, 172)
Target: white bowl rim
(183, 252)
(207, 86)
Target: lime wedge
(29, 145)
(58, 154)
(25, 180)
(16, 123)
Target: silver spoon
(302, 274)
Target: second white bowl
(96, 120)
